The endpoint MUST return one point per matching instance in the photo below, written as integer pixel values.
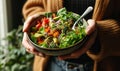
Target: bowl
(59, 51)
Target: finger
(65, 57)
(36, 53)
(91, 27)
(27, 23)
(29, 47)
(73, 55)
(62, 57)
(25, 41)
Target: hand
(28, 24)
(89, 31)
(29, 48)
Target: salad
(54, 30)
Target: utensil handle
(88, 10)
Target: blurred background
(13, 56)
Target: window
(10, 16)
(3, 21)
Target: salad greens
(55, 30)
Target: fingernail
(41, 55)
(91, 20)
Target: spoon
(88, 10)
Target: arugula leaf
(41, 30)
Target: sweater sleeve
(109, 34)
(107, 16)
(33, 6)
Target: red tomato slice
(38, 25)
(46, 20)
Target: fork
(88, 10)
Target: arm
(108, 29)
(109, 34)
(31, 10)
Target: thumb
(91, 26)
(27, 23)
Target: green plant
(13, 56)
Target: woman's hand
(25, 42)
(90, 30)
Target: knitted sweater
(107, 16)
